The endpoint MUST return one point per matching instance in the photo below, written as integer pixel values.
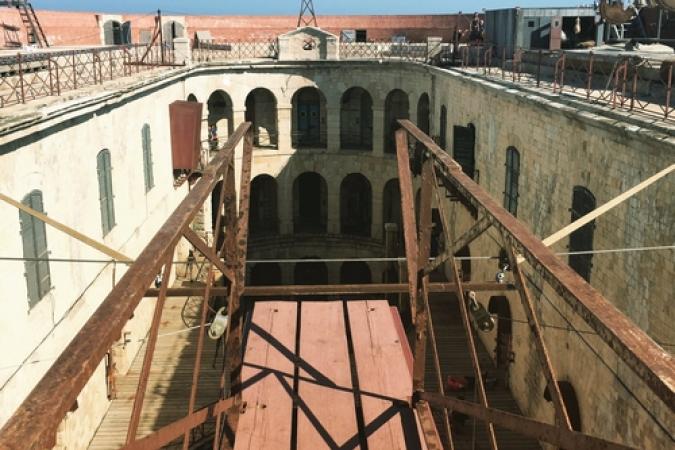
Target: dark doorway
(464, 148)
(423, 113)
(261, 111)
(569, 397)
(395, 107)
(443, 128)
(309, 118)
(583, 202)
(265, 274)
(355, 205)
(499, 306)
(215, 201)
(310, 200)
(356, 120)
(263, 215)
(311, 273)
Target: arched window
(34, 238)
(148, 175)
(443, 128)
(265, 274)
(355, 272)
(356, 120)
(192, 98)
(309, 118)
(423, 113)
(512, 174)
(310, 203)
(581, 240)
(261, 111)
(105, 191)
(569, 397)
(464, 148)
(356, 200)
(263, 218)
(395, 107)
(311, 273)
(172, 30)
(391, 207)
(220, 119)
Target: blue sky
(292, 6)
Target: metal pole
(74, 71)
(539, 68)
(23, 93)
(161, 33)
(51, 75)
(589, 78)
(669, 90)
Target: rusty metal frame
(73, 369)
(646, 358)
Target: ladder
(36, 34)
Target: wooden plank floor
(328, 381)
(169, 382)
(455, 360)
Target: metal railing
(29, 76)
(226, 50)
(624, 82)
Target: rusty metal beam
(208, 253)
(649, 361)
(332, 290)
(428, 426)
(71, 371)
(524, 426)
(467, 238)
(234, 333)
(149, 353)
(408, 213)
(562, 419)
(174, 430)
(425, 221)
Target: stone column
(182, 51)
(285, 203)
(333, 184)
(284, 114)
(333, 128)
(378, 131)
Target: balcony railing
(619, 82)
(29, 76)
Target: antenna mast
(307, 16)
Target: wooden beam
(114, 254)
(597, 212)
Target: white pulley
(218, 325)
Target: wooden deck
(344, 364)
(169, 383)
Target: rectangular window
(147, 159)
(511, 180)
(105, 190)
(34, 238)
(361, 35)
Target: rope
(334, 260)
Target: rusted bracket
(409, 226)
(208, 253)
(562, 418)
(467, 238)
(524, 426)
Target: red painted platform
(326, 374)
